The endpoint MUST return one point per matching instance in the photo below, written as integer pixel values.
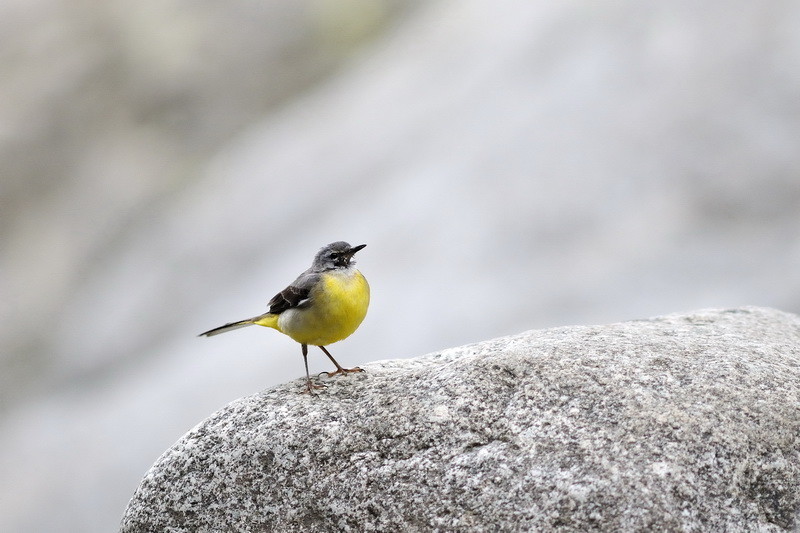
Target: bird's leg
(309, 384)
(339, 369)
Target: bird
(324, 305)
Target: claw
(310, 386)
(342, 371)
(339, 369)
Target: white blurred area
(169, 166)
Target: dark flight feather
(289, 297)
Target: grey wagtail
(325, 304)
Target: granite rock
(687, 422)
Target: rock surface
(679, 423)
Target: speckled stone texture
(679, 423)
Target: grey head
(337, 255)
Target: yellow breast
(338, 306)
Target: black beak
(351, 252)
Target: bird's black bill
(354, 249)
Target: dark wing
(295, 295)
(289, 297)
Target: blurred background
(168, 166)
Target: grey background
(169, 166)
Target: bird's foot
(342, 371)
(310, 386)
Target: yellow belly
(338, 307)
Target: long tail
(268, 319)
(227, 327)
